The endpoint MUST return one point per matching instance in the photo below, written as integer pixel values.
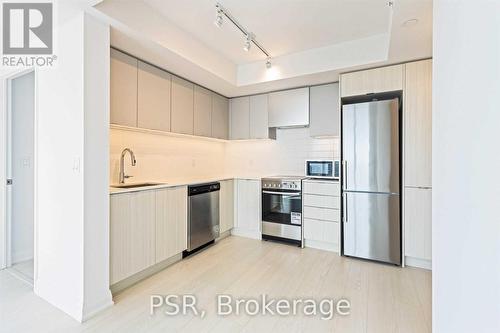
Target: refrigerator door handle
(344, 174)
(345, 208)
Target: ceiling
(311, 41)
(281, 26)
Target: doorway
(20, 174)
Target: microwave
(328, 169)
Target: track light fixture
(249, 37)
(248, 43)
(268, 63)
(219, 20)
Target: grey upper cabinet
(202, 111)
(324, 110)
(259, 122)
(182, 106)
(123, 89)
(239, 110)
(220, 117)
(289, 108)
(153, 105)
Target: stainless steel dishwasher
(203, 215)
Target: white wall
(168, 158)
(70, 273)
(466, 166)
(96, 159)
(59, 224)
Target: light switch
(76, 164)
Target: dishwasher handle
(203, 188)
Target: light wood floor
(383, 298)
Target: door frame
(6, 169)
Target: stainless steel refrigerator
(371, 180)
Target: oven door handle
(290, 194)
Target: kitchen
(297, 128)
(218, 151)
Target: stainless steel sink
(134, 185)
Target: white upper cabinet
(123, 90)
(202, 111)
(148, 97)
(249, 118)
(324, 110)
(182, 106)
(220, 117)
(259, 118)
(239, 109)
(153, 105)
(418, 124)
(375, 80)
(289, 108)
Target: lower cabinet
(226, 205)
(321, 200)
(326, 232)
(418, 226)
(248, 208)
(146, 227)
(132, 233)
(171, 222)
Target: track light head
(268, 63)
(248, 43)
(219, 20)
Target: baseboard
(91, 311)
(131, 280)
(21, 256)
(326, 246)
(223, 235)
(246, 233)
(419, 263)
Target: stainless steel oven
(282, 209)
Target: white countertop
(176, 182)
(193, 181)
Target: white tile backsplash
(163, 157)
(286, 155)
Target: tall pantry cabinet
(418, 163)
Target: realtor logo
(27, 28)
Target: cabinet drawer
(325, 214)
(321, 231)
(322, 188)
(321, 201)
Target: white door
(20, 172)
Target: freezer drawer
(372, 226)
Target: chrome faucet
(122, 167)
